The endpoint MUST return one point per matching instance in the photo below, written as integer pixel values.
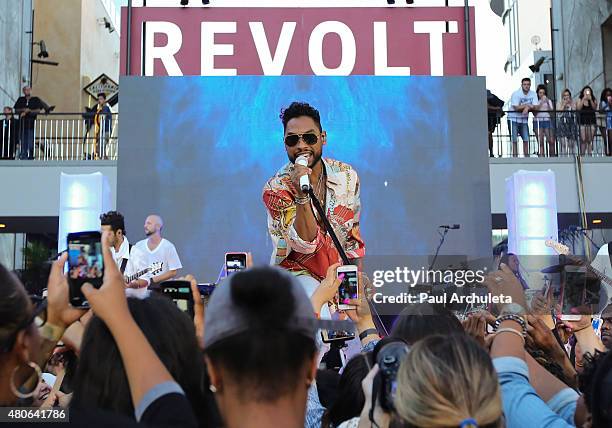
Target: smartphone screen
(348, 288)
(333, 335)
(85, 264)
(235, 262)
(179, 292)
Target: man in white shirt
(129, 259)
(601, 262)
(158, 249)
(521, 103)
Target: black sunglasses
(38, 316)
(309, 138)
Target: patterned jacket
(342, 208)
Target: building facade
(583, 44)
(83, 37)
(15, 23)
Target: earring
(212, 388)
(14, 388)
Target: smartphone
(348, 289)
(179, 291)
(329, 336)
(573, 292)
(206, 289)
(85, 264)
(235, 262)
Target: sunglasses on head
(309, 138)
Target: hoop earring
(14, 388)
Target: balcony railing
(60, 136)
(570, 133)
(78, 136)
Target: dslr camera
(388, 356)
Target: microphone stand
(338, 245)
(442, 238)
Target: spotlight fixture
(42, 49)
(186, 2)
(107, 24)
(536, 67)
(393, 1)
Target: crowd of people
(254, 353)
(569, 128)
(251, 358)
(18, 126)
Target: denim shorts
(522, 128)
(543, 124)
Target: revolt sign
(282, 41)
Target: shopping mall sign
(277, 41)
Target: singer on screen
(300, 241)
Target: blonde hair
(445, 381)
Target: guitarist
(603, 263)
(128, 258)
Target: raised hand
(59, 311)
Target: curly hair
(595, 382)
(297, 109)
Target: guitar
(564, 250)
(154, 269)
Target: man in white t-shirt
(521, 103)
(601, 262)
(128, 258)
(158, 249)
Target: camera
(389, 357)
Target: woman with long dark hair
(101, 382)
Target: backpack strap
(124, 262)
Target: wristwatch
(512, 308)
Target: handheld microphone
(304, 180)
(450, 226)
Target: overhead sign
(277, 41)
(102, 84)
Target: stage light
(42, 53)
(536, 67)
(597, 221)
(2, 225)
(186, 2)
(407, 1)
(82, 198)
(531, 212)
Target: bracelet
(511, 317)
(367, 332)
(303, 200)
(51, 332)
(511, 330)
